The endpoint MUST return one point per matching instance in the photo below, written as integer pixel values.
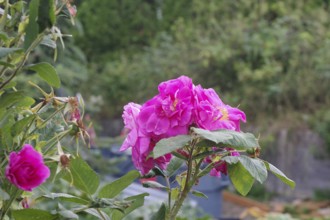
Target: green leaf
(231, 159)
(48, 41)
(279, 174)
(255, 167)
(138, 201)
(84, 177)
(175, 192)
(160, 214)
(21, 125)
(198, 194)
(67, 198)
(173, 166)
(153, 184)
(46, 15)
(6, 51)
(25, 102)
(226, 138)
(98, 213)
(110, 203)
(113, 189)
(167, 145)
(6, 64)
(241, 178)
(156, 171)
(3, 112)
(10, 85)
(10, 98)
(206, 170)
(47, 72)
(3, 36)
(32, 29)
(6, 140)
(215, 136)
(68, 214)
(33, 214)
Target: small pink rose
(26, 169)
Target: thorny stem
(190, 181)
(169, 192)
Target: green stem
(207, 153)
(101, 214)
(3, 71)
(169, 194)
(187, 187)
(7, 204)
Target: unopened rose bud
(65, 160)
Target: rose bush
(187, 124)
(178, 106)
(184, 125)
(26, 169)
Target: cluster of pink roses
(178, 106)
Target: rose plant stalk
(187, 124)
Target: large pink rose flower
(26, 169)
(178, 106)
(212, 114)
(141, 143)
(170, 112)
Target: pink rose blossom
(25, 203)
(212, 114)
(141, 159)
(221, 166)
(26, 169)
(131, 111)
(140, 143)
(178, 106)
(170, 112)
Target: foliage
(193, 125)
(267, 56)
(44, 123)
(243, 170)
(129, 25)
(320, 121)
(321, 194)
